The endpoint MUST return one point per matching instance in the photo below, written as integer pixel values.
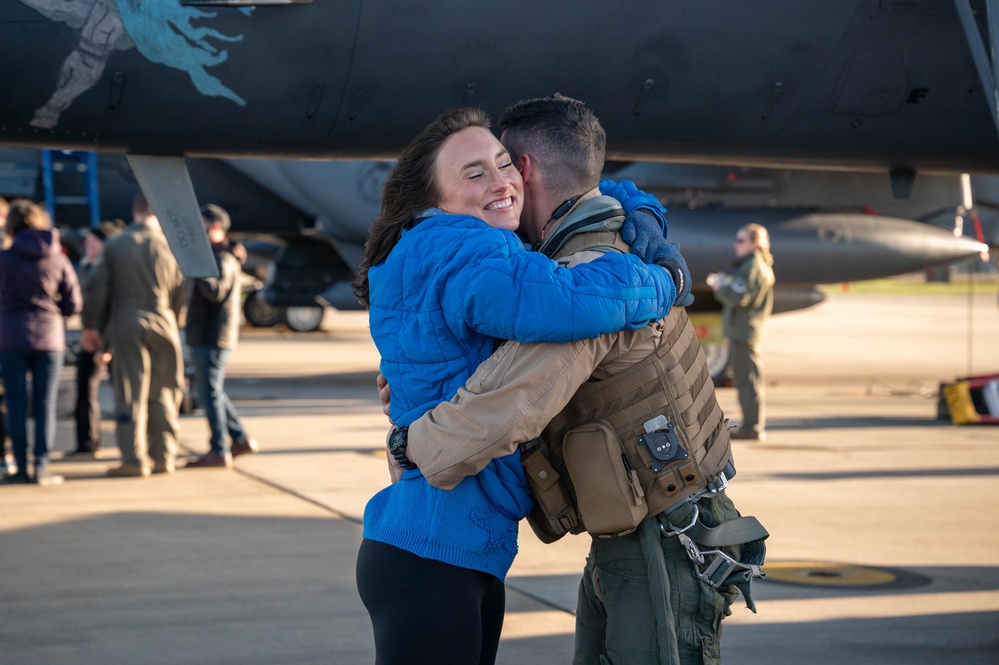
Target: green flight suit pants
(623, 591)
(747, 374)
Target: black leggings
(425, 612)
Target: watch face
(397, 445)
(397, 439)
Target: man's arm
(510, 399)
(97, 298)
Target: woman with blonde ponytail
(747, 297)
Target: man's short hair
(107, 229)
(140, 207)
(563, 135)
(216, 215)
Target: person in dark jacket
(90, 365)
(38, 291)
(7, 465)
(213, 317)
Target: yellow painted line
(519, 625)
(809, 610)
(818, 573)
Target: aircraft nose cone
(870, 246)
(949, 248)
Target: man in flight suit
(138, 299)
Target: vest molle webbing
(672, 382)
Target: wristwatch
(398, 441)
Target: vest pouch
(553, 514)
(608, 493)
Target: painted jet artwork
(163, 32)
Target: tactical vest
(638, 444)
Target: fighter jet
(308, 221)
(897, 87)
(846, 82)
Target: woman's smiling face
(476, 176)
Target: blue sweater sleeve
(525, 296)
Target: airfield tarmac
(883, 546)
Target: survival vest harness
(648, 441)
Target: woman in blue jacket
(38, 290)
(444, 278)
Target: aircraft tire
(717, 355)
(259, 314)
(304, 319)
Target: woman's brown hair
(24, 214)
(411, 188)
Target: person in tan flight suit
(138, 299)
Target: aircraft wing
(881, 85)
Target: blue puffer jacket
(446, 293)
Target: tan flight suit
(509, 399)
(138, 300)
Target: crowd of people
(536, 362)
(132, 299)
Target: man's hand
(395, 468)
(90, 340)
(384, 394)
(395, 471)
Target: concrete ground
(256, 565)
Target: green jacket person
(747, 298)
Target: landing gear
(304, 319)
(717, 355)
(258, 313)
(299, 319)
